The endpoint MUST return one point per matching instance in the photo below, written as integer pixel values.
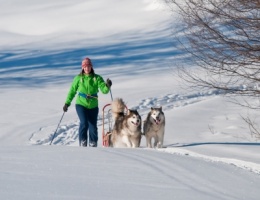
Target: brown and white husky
(154, 126)
(127, 126)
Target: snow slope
(209, 152)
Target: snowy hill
(208, 151)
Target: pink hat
(86, 61)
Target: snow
(208, 151)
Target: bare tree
(223, 37)
(253, 127)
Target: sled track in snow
(249, 166)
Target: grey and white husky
(127, 126)
(154, 126)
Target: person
(86, 86)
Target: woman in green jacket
(86, 85)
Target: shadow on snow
(18, 67)
(213, 143)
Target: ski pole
(111, 94)
(57, 128)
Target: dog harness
(87, 96)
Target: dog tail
(117, 107)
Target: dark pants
(88, 122)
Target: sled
(107, 125)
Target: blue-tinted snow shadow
(213, 143)
(18, 66)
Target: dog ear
(161, 108)
(128, 112)
(151, 108)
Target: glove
(109, 83)
(65, 107)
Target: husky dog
(154, 127)
(127, 126)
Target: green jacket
(89, 85)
